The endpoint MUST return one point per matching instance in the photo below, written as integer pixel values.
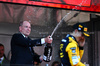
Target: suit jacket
(21, 49)
(5, 62)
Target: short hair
(21, 22)
(3, 47)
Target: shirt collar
(2, 58)
(24, 35)
(68, 35)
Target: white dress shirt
(1, 59)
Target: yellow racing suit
(70, 52)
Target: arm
(20, 40)
(81, 45)
(41, 41)
(36, 42)
(81, 51)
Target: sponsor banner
(84, 5)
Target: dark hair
(2, 46)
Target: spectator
(3, 59)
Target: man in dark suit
(22, 46)
(3, 59)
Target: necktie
(30, 47)
(26, 38)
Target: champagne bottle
(47, 53)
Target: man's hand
(82, 41)
(48, 39)
(41, 58)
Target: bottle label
(45, 58)
(47, 53)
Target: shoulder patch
(63, 40)
(73, 49)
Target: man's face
(25, 28)
(81, 38)
(1, 51)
